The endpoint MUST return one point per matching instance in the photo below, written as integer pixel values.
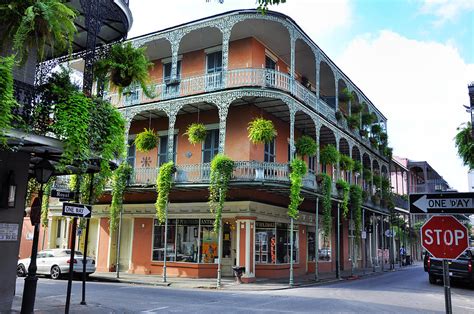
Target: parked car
(459, 269)
(56, 262)
(426, 257)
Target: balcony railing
(247, 77)
(400, 201)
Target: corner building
(224, 71)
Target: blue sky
(412, 58)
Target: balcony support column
(318, 70)
(223, 111)
(338, 166)
(171, 121)
(292, 131)
(225, 55)
(336, 81)
(174, 38)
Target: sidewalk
(229, 283)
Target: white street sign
(453, 203)
(77, 210)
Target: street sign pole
(86, 240)
(447, 287)
(71, 265)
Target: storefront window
(272, 243)
(159, 240)
(187, 240)
(208, 242)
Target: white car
(55, 262)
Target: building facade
(224, 71)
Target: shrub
(261, 131)
(196, 133)
(306, 146)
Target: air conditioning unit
(438, 187)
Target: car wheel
(432, 279)
(55, 272)
(21, 270)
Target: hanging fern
(222, 168)
(72, 126)
(306, 146)
(126, 65)
(376, 129)
(164, 182)
(345, 95)
(367, 174)
(465, 144)
(329, 155)
(343, 188)
(326, 191)
(196, 133)
(355, 204)
(353, 121)
(261, 131)
(119, 183)
(146, 140)
(346, 163)
(298, 170)
(357, 166)
(7, 100)
(35, 24)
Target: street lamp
(43, 172)
(470, 87)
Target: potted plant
(345, 95)
(356, 108)
(357, 167)
(35, 24)
(261, 130)
(373, 141)
(363, 132)
(367, 174)
(376, 129)
(306, 146)
(329, 155)
(353, 121)
(345, 162)
(339, 115)
(125, 65)
(146, 140)
(196, 133)
(376, 199)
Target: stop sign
(444, 237)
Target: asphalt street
(406, 291)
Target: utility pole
(471, 105)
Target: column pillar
(225, 55)
(338, 166)
(174, 38)
(246, 247)
(318, 70)
(223, 111)
(292, 131)
(171, 122)
(336, 81)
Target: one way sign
(77, 210)
(437, 203)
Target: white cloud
(446, 10)
(420, 87)
(318, 17)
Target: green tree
(465, 144)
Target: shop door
(125, 244)
(227, 250)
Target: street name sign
(63, 194)
(444, 237)
(77, 210)
(442, 203)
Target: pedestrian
(402, 255)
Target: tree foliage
(263, 4)
(465, 144)
(7, 100)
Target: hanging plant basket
(125, 65)
(339, 115)
(363, 133)
(356, 108)
(357, 166)
(196, 133)
(261, 131)
(306, 146)
(146, 140)
(353, 121)
(376, 129)
(329, 155)
(346, 163)
(345, 95)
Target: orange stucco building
(224, 71)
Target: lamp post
(43, 172)
(471, 107)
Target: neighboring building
(224, 71)
(25, 150)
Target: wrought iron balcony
(247, 77)
(401, 201)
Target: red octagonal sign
(444, 237)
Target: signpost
(445, 238)
(63, 194)
(77, 210)
(442, 203)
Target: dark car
(459, 269)
(426, 258)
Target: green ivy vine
(164, 183)
(146, 140)
(7, 100)
(306, 146)
(45, 201)
(196, 133)
(343, 188)
(119, 183)
(221, 173)
(326, 191)
(298, 170)
(355, 204)
(261, 131)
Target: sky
(412, 58)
